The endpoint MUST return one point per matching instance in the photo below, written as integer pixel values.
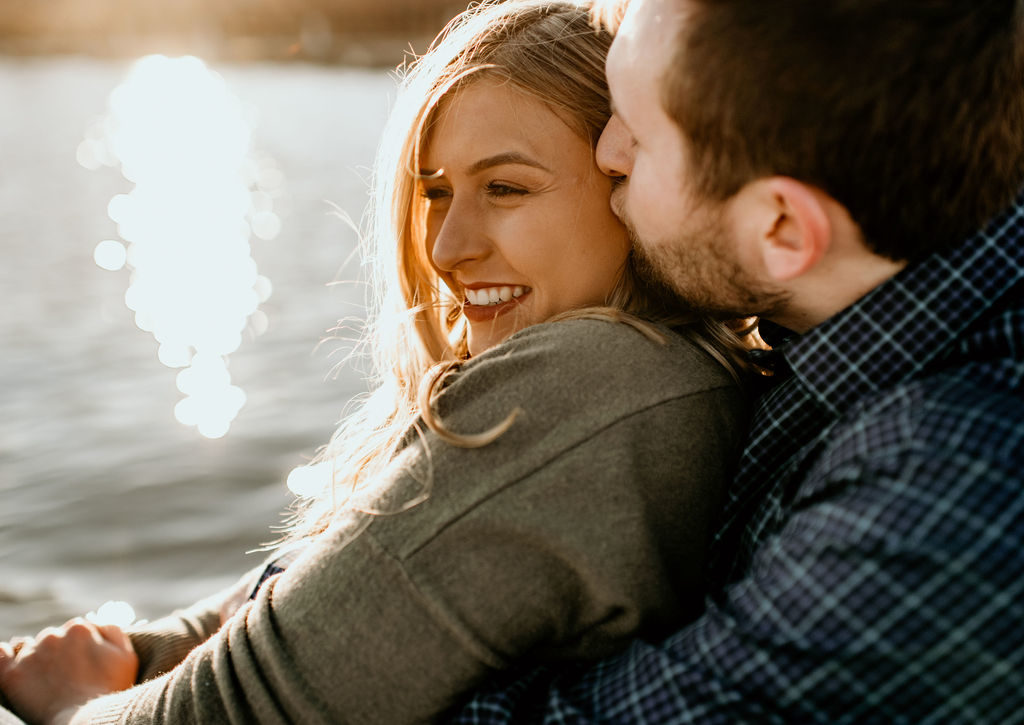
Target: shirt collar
(902, 325)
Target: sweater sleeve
(582, 526)
(164, 643)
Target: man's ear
(796, 231)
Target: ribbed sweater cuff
(161, 651)
(109, 709)
(139, 704)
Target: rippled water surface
(103, 494)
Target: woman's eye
(496, 188)
(435, 193)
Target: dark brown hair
(910, 113)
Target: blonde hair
(550, 50)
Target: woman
(511, 490)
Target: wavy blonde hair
(550, 50)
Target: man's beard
(693, 272)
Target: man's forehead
(648, 28)
(645, 39)
(652, 15)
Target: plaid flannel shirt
(870, 563)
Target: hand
(62, 668)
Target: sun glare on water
(183, 139)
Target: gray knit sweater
(580, 527)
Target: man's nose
(460, 238)
(614, 149)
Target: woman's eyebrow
(507, 157)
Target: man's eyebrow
(507, 157)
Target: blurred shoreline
(354, 51)
(357, 33)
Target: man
(822, 164)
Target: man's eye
(496, 188)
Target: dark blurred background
(352, 32)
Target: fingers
(9, 650)
(48, 633)
(74, 630)
(77, 629)
(111, 633)
(76, 633)
(115, 636)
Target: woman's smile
(485, 304)
(484, 296)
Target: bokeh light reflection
(183, 139)
(113, 612)
(312, 480)
(110, 255)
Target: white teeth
(494, 295)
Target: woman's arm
(162, 645)
(584, 524)
(68, 665)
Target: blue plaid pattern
(870, 562)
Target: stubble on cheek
(654, 275)
(647, 268)
(683, 273)
(692, 273)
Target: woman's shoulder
(606, 352)
(594, 402)
(581, 369)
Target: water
(103, 494)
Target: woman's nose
(458, 237)
(614, 153)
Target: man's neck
(837, 282)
